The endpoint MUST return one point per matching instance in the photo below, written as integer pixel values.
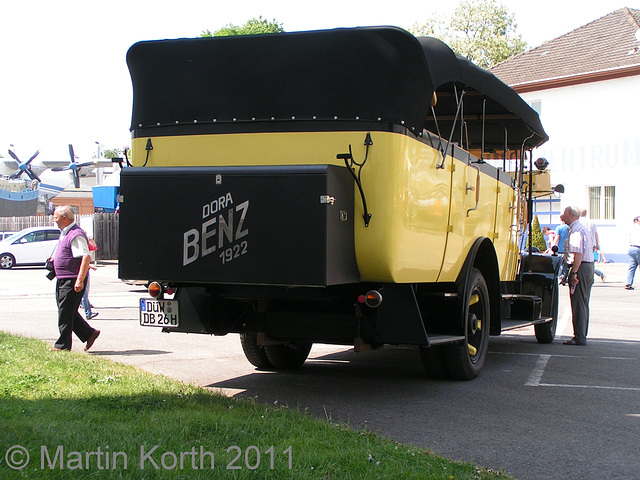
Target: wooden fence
(103, 227)
(106, 230)
(15, 224)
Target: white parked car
(31, 246)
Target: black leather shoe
(92, 339)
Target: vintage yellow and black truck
(351, 186)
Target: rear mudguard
(409, 311)
(482, 256)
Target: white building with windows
(585, 87)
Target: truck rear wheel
(254, 352)
(466, 359)
(546, 332)
(285, 356)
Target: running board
(440, 339)
(514, 324)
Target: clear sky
(63, 73)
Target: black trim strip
(267, 126)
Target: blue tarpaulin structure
(105, 198)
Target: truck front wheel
(466, 359)
(546, 332)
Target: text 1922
(233, 252)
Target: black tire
(7, 261)
(466, 359)
(434, 362)
(254, 352)
(286, 356)
(546, 332)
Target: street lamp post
(98, 170)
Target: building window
(548, 210)
(602, 202)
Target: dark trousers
(69, 320)
(580, 302)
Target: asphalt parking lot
(536, 411)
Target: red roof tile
(605, 45)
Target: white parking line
(535, 379)
(538, 371)
(596, 387)
(561, 355)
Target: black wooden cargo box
(253, 225)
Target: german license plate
(159, 313)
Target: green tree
(252, 27)
(484, 31)
(113, 153)
(536, 235)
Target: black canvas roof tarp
(371, 74)
(485, 94)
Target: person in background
(634, 252)
(85, 303)
(548, 236)
(580, 258)
(71, 261)
(591, 227)
(560, 238)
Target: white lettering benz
(221, 229)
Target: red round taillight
(372, 299)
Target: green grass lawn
(72, 415)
